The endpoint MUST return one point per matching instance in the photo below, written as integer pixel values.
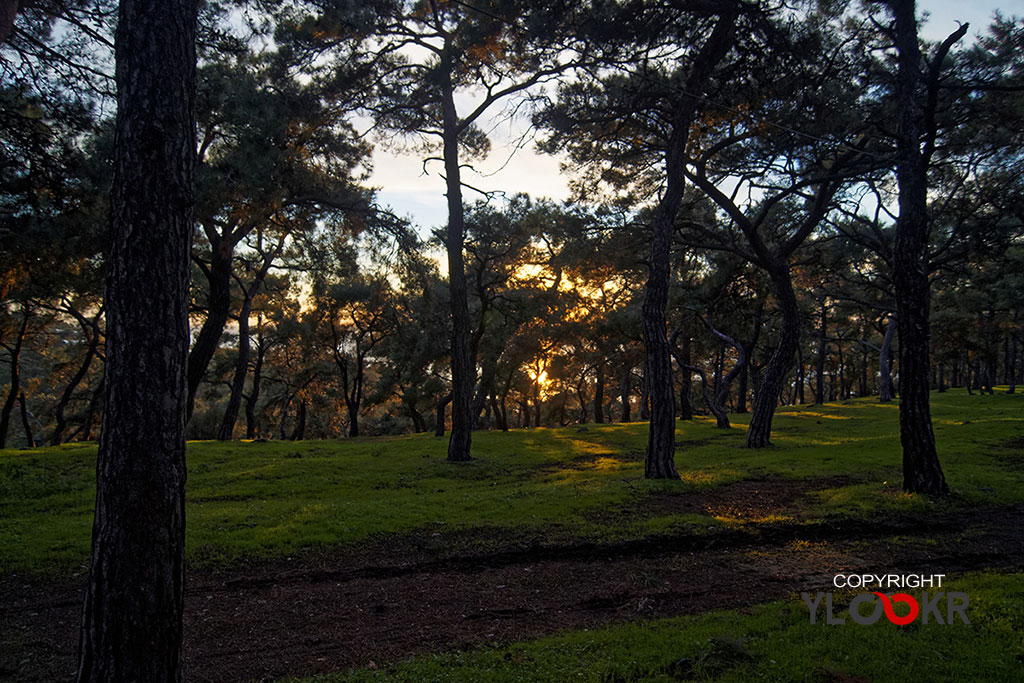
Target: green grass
(769, 642)
(249, 501)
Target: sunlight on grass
(249, 500)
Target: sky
(413, 193)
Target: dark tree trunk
(12, 395)
(599, 395)
(354, 400)
(660, 457)
(921, 470)
(767, 397)
(714, 407)
(30, 439)
(942, 379)
(299, 433)
(462, 362)
(819, 365)
(581, 395)
(500, 417)
(624, 390)
(742, 389)
(659, 462)
(685, 388)
(719, 364)
(89, 420)
(844, 386)
(885, 362)
(227, 425)
(252, 400)
(645, 400)
(132, 625)
(484, 389)
(218, 307)
(862, 381)
(419, 425)
(801, 379)
(442, 404)
(69, 390)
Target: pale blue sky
(410, 192)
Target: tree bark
(69, 390)
(299, 433)
(218, 307)
(885, 363)
(227, 425)
(30, 439)
(624, 390)
(685, 385)
(921, 470)
(12, 395)
(85, 429)
(252, 400)
(819, 363)
(767, 397)
(659, 462)
(442, 404)
(599, 395)
(132, 624)
(463, 372)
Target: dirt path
(385, 603)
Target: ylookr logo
(929, 607)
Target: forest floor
(470, 591)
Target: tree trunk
(921, 470)
(599, 395)
(500, 417)
(800, 383)
(844, 385)
(30, 439)
(252, 400)
(132, 624)
(645, 399)
(624, 395)
(85, 429)
(227, 425)
(685, 405)
(419, 425)
(69, 390)
(819, 365)
(659, 462)
(299, 433)
(462, 363)
(581, 395)
(862, 381)
(767, 397)
(218, 307)
(12, 395)
(442, 404)
(885, 362)
(742, 389)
